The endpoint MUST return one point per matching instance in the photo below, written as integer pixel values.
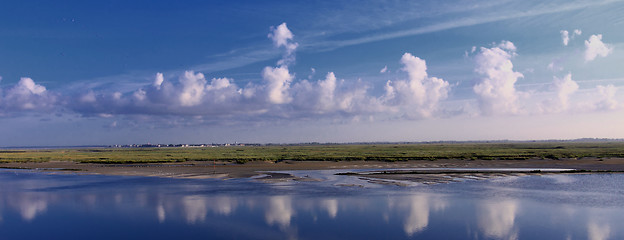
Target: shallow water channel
(35, 205)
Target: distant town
(150, 145)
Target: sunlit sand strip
(428, 176)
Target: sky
(123, 72)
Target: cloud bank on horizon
(415, 96)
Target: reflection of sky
(331, 205)
(598, 231)
(497, 219)
(417, 208)
(239, 209)
(28, 204)
(279, 211)
(194, 208)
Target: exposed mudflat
(437, 171)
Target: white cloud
(563, 88)
(556, 65)
(312, 72)
(282, 37)
(277, 84)
(420, 94)
(607, 99)
(330, 96)
(507, 45)
(190, 95)
(327, 89)
(281, 95)
(565, 37)
(192, 91)
(158, 80)
(594, 47)
(495, 90)
(577, 32)
(27, 95)
(384, 69)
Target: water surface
(55, 206)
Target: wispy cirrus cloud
(489, 16)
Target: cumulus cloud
(563, 88)
(277, 84)
(283, 37)
(419, 94)
(495, 89)
(191, 94)
(566, 36)
(158, 80)
(279, 94)
(594, 47)
(607, 99)
(556, 65)
(330, 95)
(319, 96)
(577, 32)
(192, 91)
(27, 95)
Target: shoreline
(227, 170)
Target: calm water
(48, 206)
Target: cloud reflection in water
(29, 205)
(279, 211)
(360, 213)
(596, 231)
(497, 219)
(194, 208)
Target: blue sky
(118, 72)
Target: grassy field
(380, 152)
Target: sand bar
(228, 170)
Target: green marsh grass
(330, 152)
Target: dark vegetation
(365, 152)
